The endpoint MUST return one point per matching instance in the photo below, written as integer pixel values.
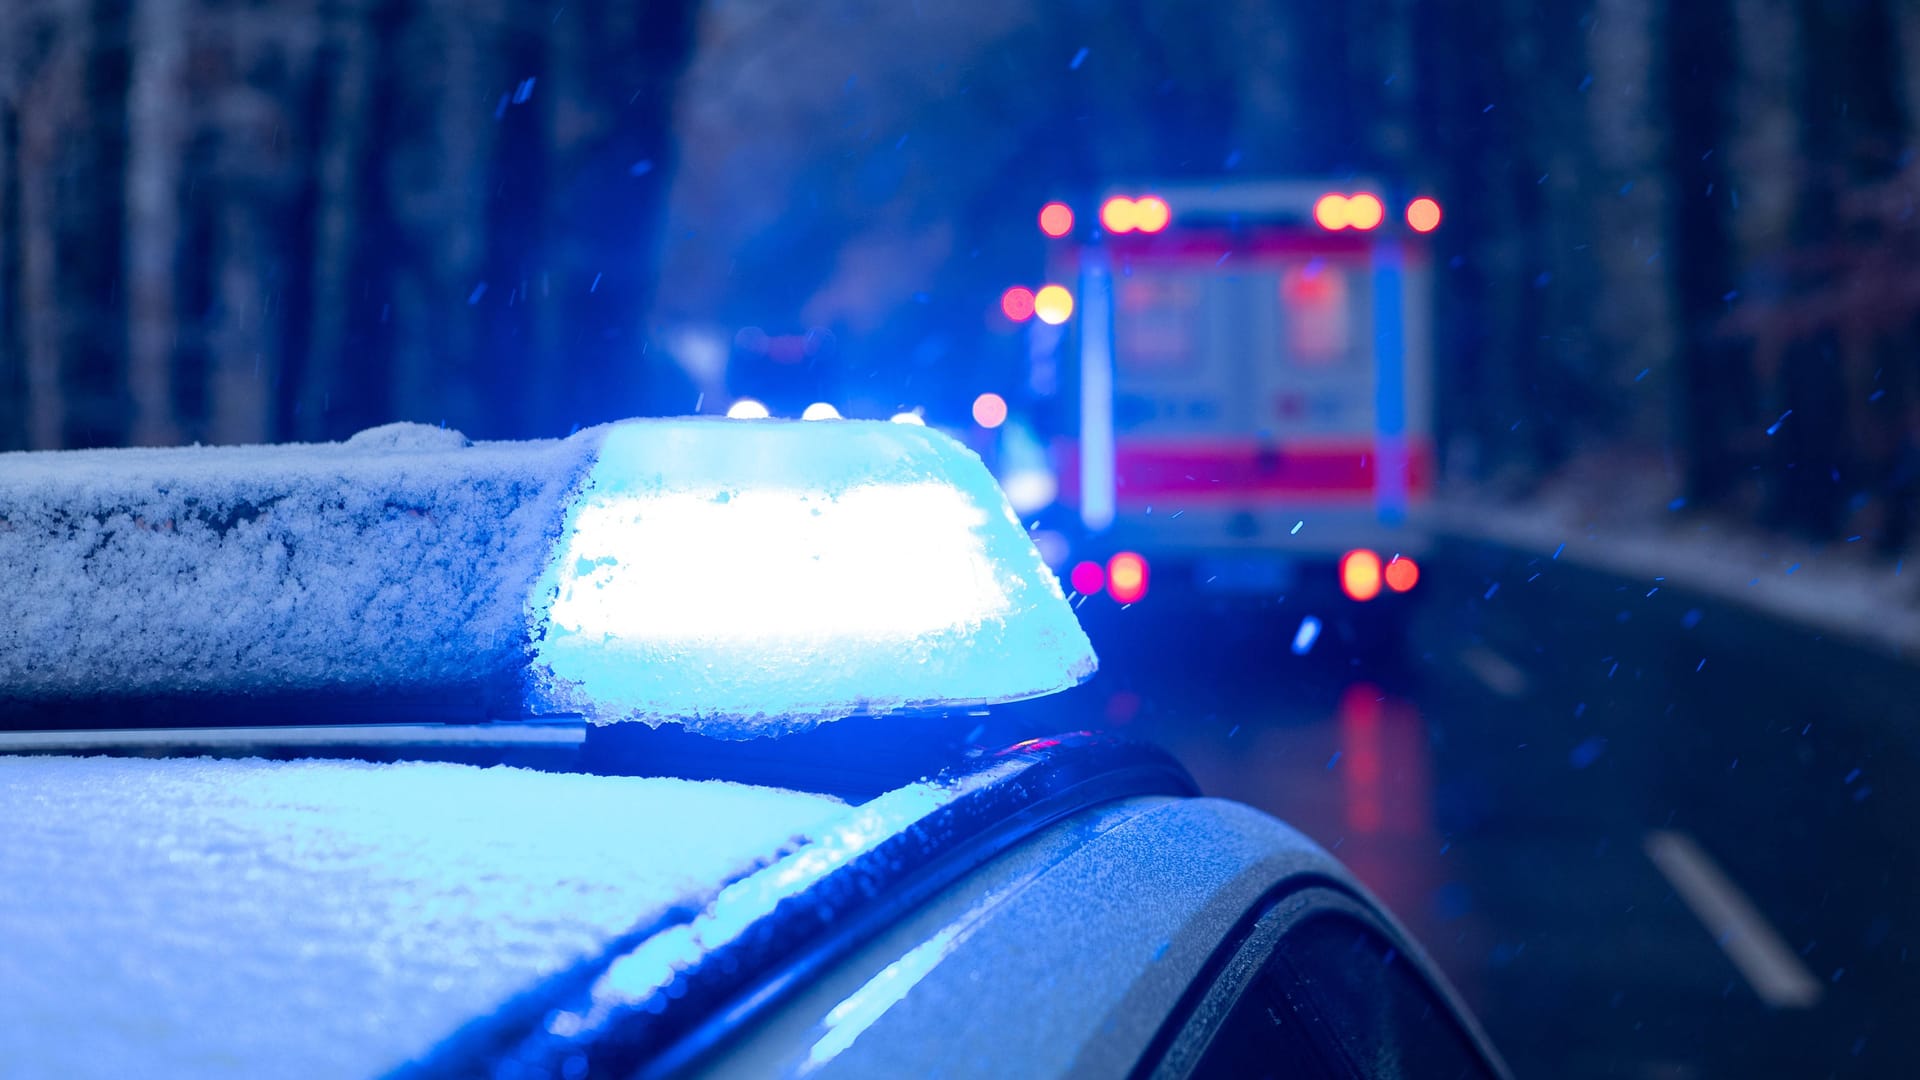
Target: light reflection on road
(1357, 775)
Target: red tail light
(1402, 573)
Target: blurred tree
(236, 222)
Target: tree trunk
(1633, 308)
(157, 111)
(346, 71)
(48, 100)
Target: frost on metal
(196, 918)
(399, 559)
(743, 578)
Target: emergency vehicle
(1233, 382)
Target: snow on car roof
(182, 917)
(742, 577)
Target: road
(1648, 835)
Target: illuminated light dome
(1119, 215)
(740, 578)
(1151, 214)
(748, 580)
(1053, 304)
(747, 409)
(1364, 211)
(1423, 215)
(1331, 212)
(913, 418)
(1056, 219)
(1402, 573)
(1127, 577)
(1017, 303)
(989, 410)
(1088, 578)
(820, 410)
(1360, 574)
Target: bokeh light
(1056, 219)
(1119, 215)
(989, 410)
(1017, 303)
(1331, 211)
(1423, 214)
(747, 409)
(1127, 577)
(1151, 214)
(1088, 578)
(1360, 574)
(1364, 211)
(820, 410)
(1054, 304)
(1402, 573)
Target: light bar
(742, 578)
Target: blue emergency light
(761, 575)
(740, 577)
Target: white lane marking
(1494, 671)
(509, 734)
(1774, 972)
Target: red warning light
(1017, 303)
(1331, 212)
(1423, 214)
(1364, 211)
(1087, 578)
(1402, 573)
(1056, 219)
(1360, 574)
(1127, 577)
(1151, 214)
(1120, 215)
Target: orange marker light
(1054, 304)
(1151, 214)
(1127, 577)
(1017, 303)
(1120, 215)
(989, 410)
(1364, 211)
(1331, 212)
(1423, 214)
(1402, 573)
(1056, 219)
(1360, 574)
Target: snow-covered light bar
(744, 578)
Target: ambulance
(1232, 385)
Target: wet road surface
(1646, 834)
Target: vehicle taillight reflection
(1402, 573)
(1360, 574)
(1127, 577)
